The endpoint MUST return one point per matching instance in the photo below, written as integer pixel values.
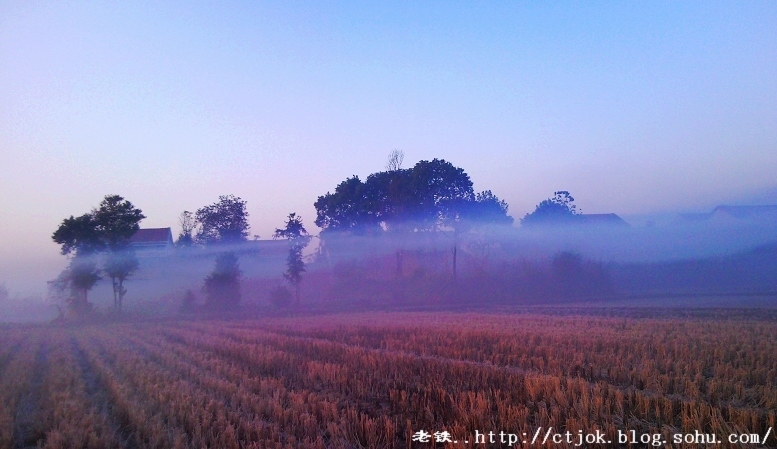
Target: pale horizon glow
(635, 108)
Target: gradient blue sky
(634, 107)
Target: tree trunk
(116, 300)
(121, 292)
(454, 261)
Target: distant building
(603, 220)
(152, 238)
(734, 213)
(746, 212)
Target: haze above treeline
(645, 111)
(430, 206)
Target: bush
(188, 303)
(222, 286)
(281, 297)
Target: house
(603, 220)
(746, 212)
(734, 214)
(152, 238)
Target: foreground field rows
(375, 380)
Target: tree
(560, 209)
(345, 209)
(75, 281)
(430, 195)
(222, 286)
(120, 265)
(225, 221)
(489, 209)
(577, 278)
(79, 236)
(297, 236)
(437, 186)
(107, 229)
(117, 221)
(398, 199)
(188, 226)
(463, 214)
(395, 160)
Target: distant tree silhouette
(560, 209)
(105, 230)
(75, 281)
(222, 286)
(188, 224)
(415, 199)
(81, 240)
(395, 160)
(464, 214)
(577, 278)
(346, 209)
(430, 196)
(225, 221)
(117, 221)
(297, 236)
(79, 236)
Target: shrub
(222, 286)
(281, 296)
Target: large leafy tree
(225, 221)
(105, 230)
(432, 195)
(413, 199)
(558, 210)
(438, 189)
(297, 236)
(79, 236)
(117, 221)
(346, 209)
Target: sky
(636, 108)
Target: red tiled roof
(153, 235)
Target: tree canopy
(430, 195)
(110, 226)
(560, 209)
(296, 234)
(225, 221)
(106, 229)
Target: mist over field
(677, 258)
(341, 225)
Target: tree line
(429, 197)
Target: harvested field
(376, 379)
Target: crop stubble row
(371, 380)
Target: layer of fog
(165, 274)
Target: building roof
(738, 212)
(696, 216)
(746, 212)
(153, 236)
(603, 220)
